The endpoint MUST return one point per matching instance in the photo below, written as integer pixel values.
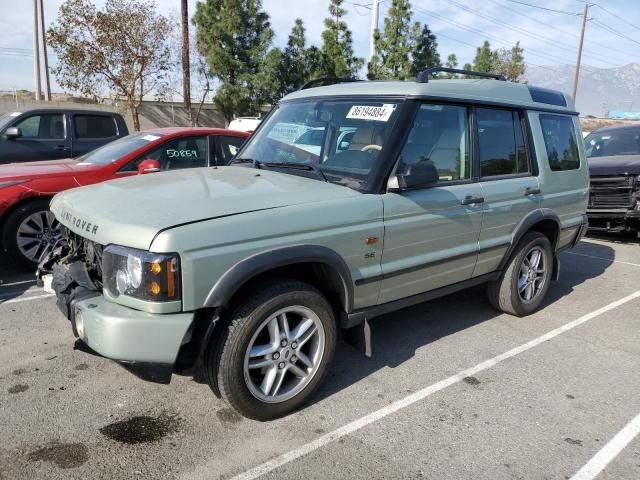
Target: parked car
(614, 166)
(245, 124)
(247, 273)
(28, 230)
(53, 133)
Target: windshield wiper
(254, 162)
(298, 166)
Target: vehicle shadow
(614, 237)
(14, 281)
(398, 335)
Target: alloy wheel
(37, 235)
(284, 354)
(532, 275)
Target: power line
(611, 30)
(616, 16)
(461, 26)
(523, 31)
(570, 34)
(545, 8)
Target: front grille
(612, 192)
(89, 252)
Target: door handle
(532, 191)
(470, 200)
(60, 147)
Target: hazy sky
(548, 37)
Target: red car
(28, 230)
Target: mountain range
(599, 89)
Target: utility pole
(45, 61)
(375, 14)
(186, 70)
(36, 50)
(577, 75)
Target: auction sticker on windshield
(368, 112)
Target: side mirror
(12, 133)
(148, 166)
(417, 175)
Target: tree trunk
(135, 114)
(186, 70)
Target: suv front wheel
(275, 351)
(524, 283)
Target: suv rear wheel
(30, 232)
(275, 351)
(523, 285)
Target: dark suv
(53, 133)
(614, 166)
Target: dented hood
(132, 211)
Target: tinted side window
(94, 126)
(501, 143)
(440, 135)
(560, 139)
(47, 126)
(229, 146)
(187, 152)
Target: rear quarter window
(561, 142)
(94, 126)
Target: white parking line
(16, 283)
(603, 258)
(362, 422)
(610, 451)
(26, 299)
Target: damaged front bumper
(147, 344)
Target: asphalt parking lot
(454, 390)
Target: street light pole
(375, 16)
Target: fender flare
(240, 273)
(525, 225)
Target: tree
(510, 63)
(122, 49)
(186, 59)
(336, 56)
(300, 62)
(424, 49)
(393, 45)
(234, 36)
(485, 59)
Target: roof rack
(423, 77)
(327, 81)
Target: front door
(44, 137)
(431, 234)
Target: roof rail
(327, 81)
(423, 77)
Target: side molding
(231, 281)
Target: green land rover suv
(351, 200)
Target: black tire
(503, 293)
(224, 359)
(10, 229)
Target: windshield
(119, 148)
(340, 138)
(611, 143)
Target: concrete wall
(152, 114)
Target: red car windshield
(119, 148)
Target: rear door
(44, 137)
(90, 131)
(226, 147)
(431, 234)
(508, 178)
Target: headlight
(154, 277)
(11, 183)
